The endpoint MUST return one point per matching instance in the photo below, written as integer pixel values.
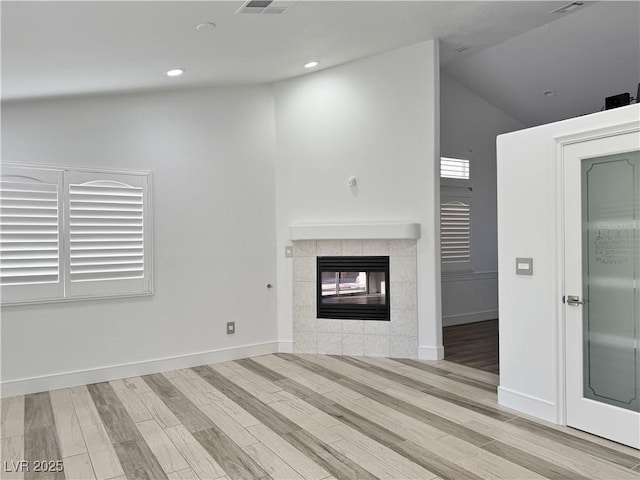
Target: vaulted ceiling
(579, 60)
(516, 50)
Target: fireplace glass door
(353, 288)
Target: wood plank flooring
(473, 344)
(290, 416)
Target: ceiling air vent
(263, 6)
(568, 7)
(275, 10)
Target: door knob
(574, 300)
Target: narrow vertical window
(455, 214)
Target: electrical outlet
(231, 328)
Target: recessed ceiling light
(311, 64)
(205, 26)
(175, 72)
(549, 93)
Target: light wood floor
(473, 344)
(299, 416)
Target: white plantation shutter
(30, 224)
(455, 231)
(108, 234)
(73, 234)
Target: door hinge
(564, 299)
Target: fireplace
(353, 288)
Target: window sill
(74, 299)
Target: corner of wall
(430, 353)
(355, 107)
(285, 346)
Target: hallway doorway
(473, 344)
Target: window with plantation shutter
(30, 224)
(88, 235)
(455, 230)
(455, 214)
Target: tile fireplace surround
(395, 338)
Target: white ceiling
(584, 57)
(53, 48)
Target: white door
(601, 179)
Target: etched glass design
(610, 270)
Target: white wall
(530, 362)
(211, 152)
(469, 126)
(213, 156)
(375, 119)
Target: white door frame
(559, 143)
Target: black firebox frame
(353, 311)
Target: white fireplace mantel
(355, 231)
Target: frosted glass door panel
(610, 272)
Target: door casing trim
(559, 144)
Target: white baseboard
(528, 404)
(25, 386)
(430, 353)
(285, 346)
(470, 317)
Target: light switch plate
(288, 251)
(524, 266)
